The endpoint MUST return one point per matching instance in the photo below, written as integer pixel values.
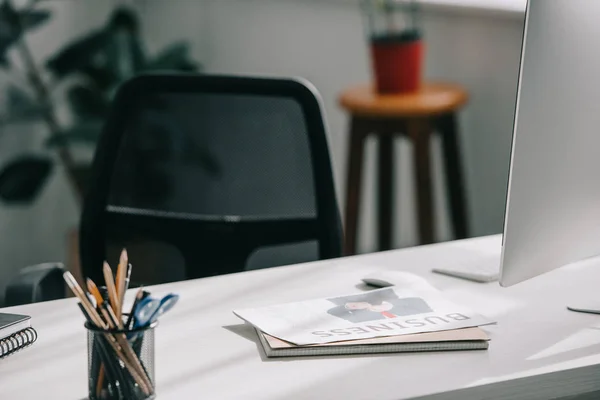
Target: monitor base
(591, 308)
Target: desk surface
(538, 349)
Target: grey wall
(324, 42)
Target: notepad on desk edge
(16, 333)
(457, 339)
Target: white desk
(203, 351)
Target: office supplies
(109, 362)
(150, 309)
(121, 353)
(83, 298)
(552, 214)
(117, 342)
(13, 323)
(110, 286)
(93, 289)
(127, 280)
(122, 269)
(138, 297)
(16, 333)
(459, 339)
(383, 312)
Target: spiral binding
(17, 341)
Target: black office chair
(200, 175)
(35, 283)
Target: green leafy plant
(392, 26)
(89, 69)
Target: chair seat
(433, 99)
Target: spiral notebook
(457, 339)
(16, 333)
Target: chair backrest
(201, 175)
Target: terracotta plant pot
(397, 63)
(395, 35)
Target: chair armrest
(36, 283)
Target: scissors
(150, 309)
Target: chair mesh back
(216, 154)
(213, 155)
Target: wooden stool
(417, 115)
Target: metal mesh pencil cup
(121, 363)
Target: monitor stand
(591, 308)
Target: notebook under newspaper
(458, 339)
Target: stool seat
(435, 98)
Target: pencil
(85, 302)
(120, 279)
(112, 317)
(115, 323)
(126, 347)
(100, 380)
(93, 289)
(110, 286)
(115, 341)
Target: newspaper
(377, 313)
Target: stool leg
(419, 133)
(386, 190)
(453, 166)
(358, 133)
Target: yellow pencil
(110, 286)
(120, 281)
(117, 342)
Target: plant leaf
(32, 19)
(83, 133)
(13, 23)
(88, 102)
(78, 54)
(124, 18)
(100, 76)
(9, 30)
(22, 179)
(21, 104)
(124, 54)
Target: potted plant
(85, 73)
(80, 78)
(396, 41)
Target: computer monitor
(553, 202)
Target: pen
(138, 297)
(117, 342)
(112, 321)
(106, 360)
(127, 279)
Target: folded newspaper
(385, 312)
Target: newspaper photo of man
(376, 305)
